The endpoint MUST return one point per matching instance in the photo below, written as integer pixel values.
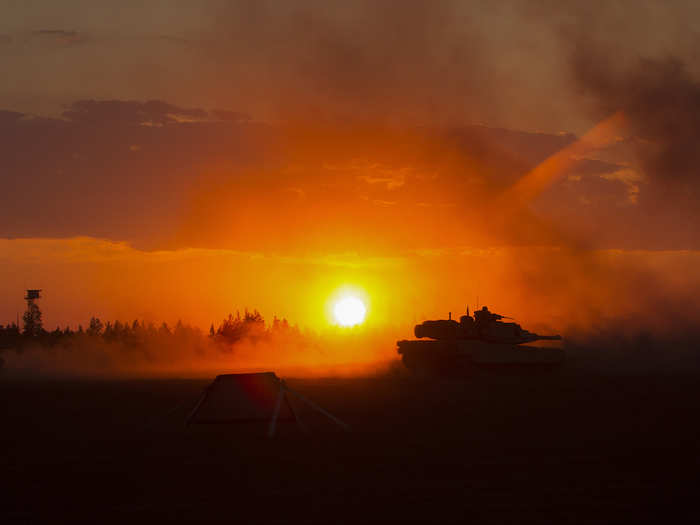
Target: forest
(248, 326)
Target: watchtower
(31, 296)
(32, 317)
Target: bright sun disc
(349, 311)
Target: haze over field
(171, 161)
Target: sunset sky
(173, 159)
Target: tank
(482, 340)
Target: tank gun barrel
(548, 337)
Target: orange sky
(420, 157)
(420, 221)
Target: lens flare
(349, 311)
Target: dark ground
(558, 447)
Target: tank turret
(441, 329)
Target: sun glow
(349, 311)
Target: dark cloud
(61, 36)
(171, 39)
(152, 112)
(9, 117)
(149, 113)
(660, 101)
(161, 175)
(418, 62)
(229, 116)
(56, 32)
(114, 169)
(509, 153)
(442, 62)
(590, 167)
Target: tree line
(250, 325)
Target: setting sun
(349, 311)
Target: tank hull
(457, 354)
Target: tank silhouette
(483, 339)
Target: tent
(233, 398)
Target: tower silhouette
(32, 317)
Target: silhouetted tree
(32, 320)
(108, 332)
(279, 325)
(164, 330)
(250, 326)
(95, 327)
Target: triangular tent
(233, 398)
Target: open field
(558, 447)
